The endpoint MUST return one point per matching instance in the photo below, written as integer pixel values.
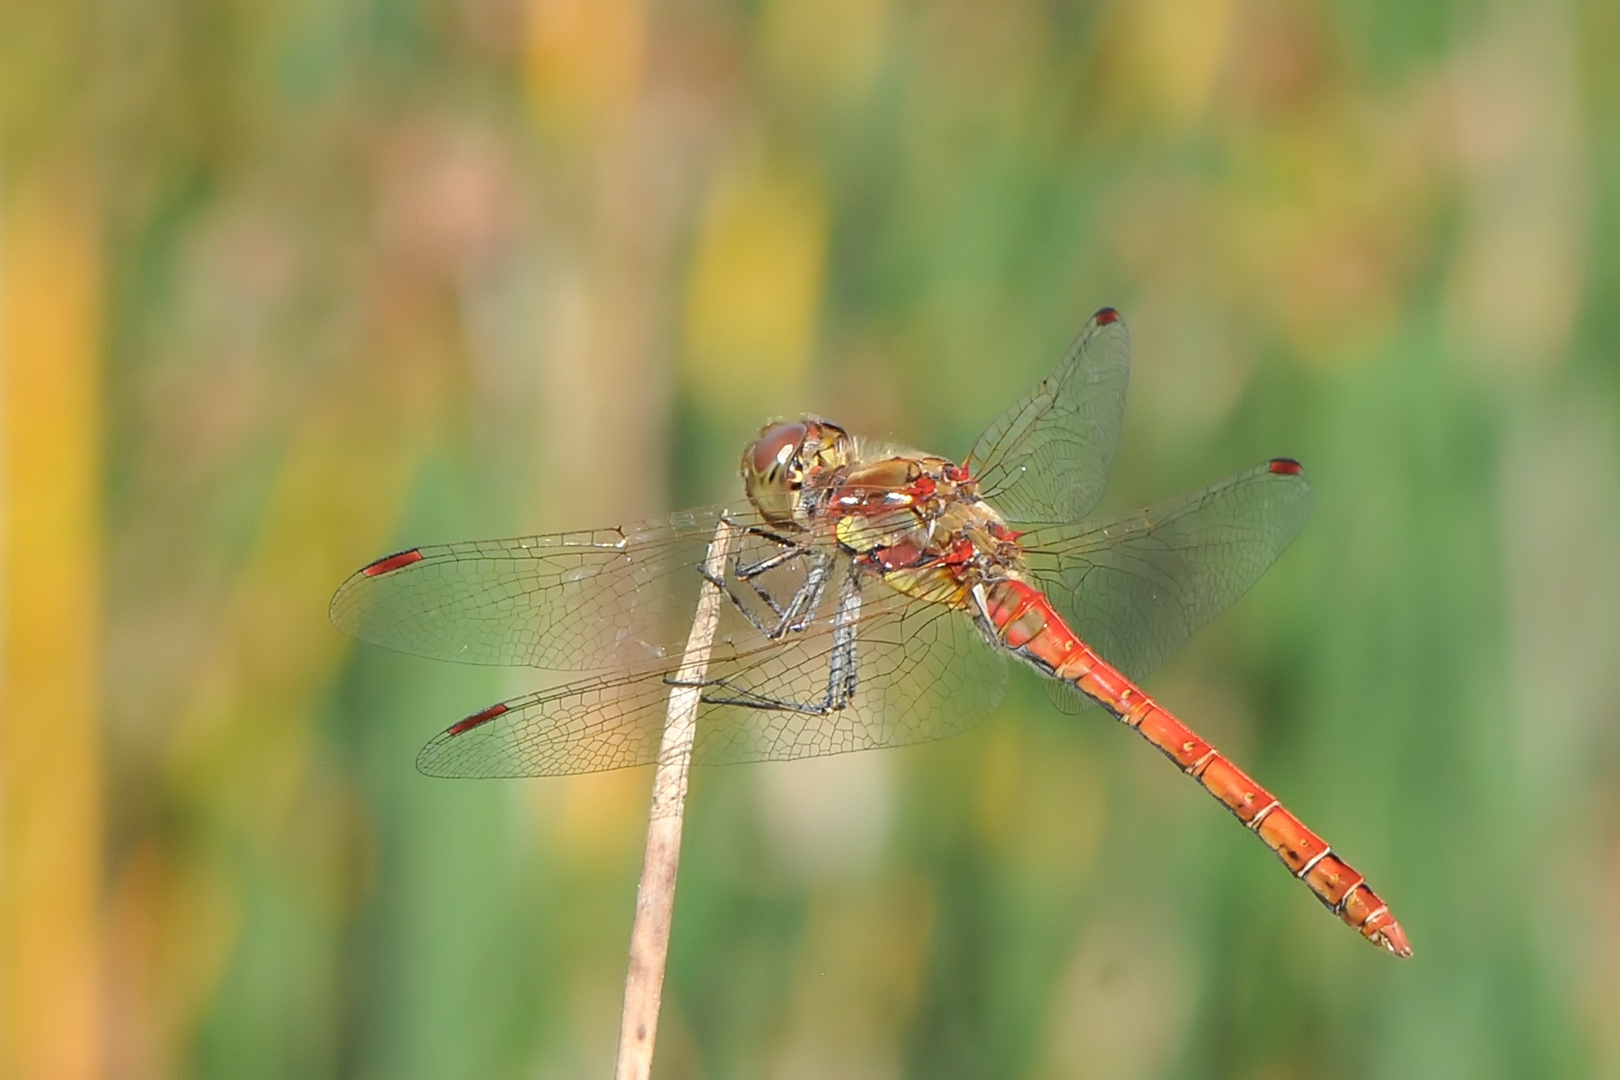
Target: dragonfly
(873, 597)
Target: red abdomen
(1026, 623)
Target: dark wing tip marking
(1105, 316)
(463, 726)
(389, 563)
(1283, 466)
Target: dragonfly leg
(793, 616)
(791, 549)
(796, 616)
(770, 562)
(843, 673)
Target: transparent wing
(575, 601)
(1047, 458)
(922, 672)
(615, 598)
(1134, 587)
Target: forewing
(1047, 458)
(610, 598)
(923, 673)
(1134, 587)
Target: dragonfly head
(776, 465)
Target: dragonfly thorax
(917, 521)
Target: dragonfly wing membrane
(582, 601)
(922, 672)
(1136, 586)
(590, 725)
(1047, 458)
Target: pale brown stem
(655, 895)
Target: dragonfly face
(777, 465)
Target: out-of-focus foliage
(286, 285)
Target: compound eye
(775, 447)
(772, 472)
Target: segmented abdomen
(1027, 624)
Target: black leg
(843, 673)
(796, 614)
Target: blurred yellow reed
(583, 61)
(755, 288)
(50, 771)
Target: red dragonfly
(872, 599)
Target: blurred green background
(287, 285)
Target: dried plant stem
(655, 895)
